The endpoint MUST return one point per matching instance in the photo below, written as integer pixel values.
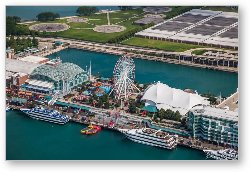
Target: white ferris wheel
(124, 75)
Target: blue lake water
(30, 12)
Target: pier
(128, 121)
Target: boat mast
(90, 70)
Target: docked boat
(225, 154)
(151, 137)
(48, 115)
(91, 129)
(8, 109)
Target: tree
(29, 42)
(16, 19)
(12, 28)
(18, 40)
(47, 16)
(100, 103)
(183, 122)
(34, 41)
(86, 11)
(22, 30)
(132, 108)
(7, 42)
(162, 113)
(211, 98)
(106, 105)
(12, 43)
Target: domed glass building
(56, 77)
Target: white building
(164, 97)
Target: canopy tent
(164, 97)
(72, 105)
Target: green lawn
(162, 45)
(90, 34)
(199, 52)
(84, 31)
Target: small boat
(91, 129)
(84, 130)
(8, 109)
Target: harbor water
(177, 76)
(29, 139)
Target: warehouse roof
(34, 59)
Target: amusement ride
(124, 76)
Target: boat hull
(148, 141)
(219, 156)
(43, 118)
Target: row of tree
(47, 16)
(19, 44)
(13, 28)
(211, 98)
(169, 115)
(86, 11)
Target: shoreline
(185, 141)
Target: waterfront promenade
(102, 117)
(182, 58)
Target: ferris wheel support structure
(124, 75)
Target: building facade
(213, 124)
(61, 77)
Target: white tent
(163, 96)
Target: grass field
(162, 45)
(84, 31)
(199, 52)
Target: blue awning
(150, 108)
(35, 87)
(72, 105)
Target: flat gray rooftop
(198, 26)
(12, 65)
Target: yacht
(151, 137)
(48, 115)
(8, 109)
(225, 154)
